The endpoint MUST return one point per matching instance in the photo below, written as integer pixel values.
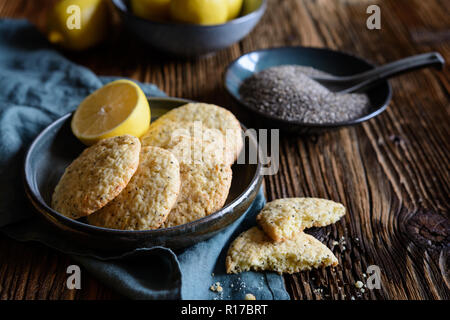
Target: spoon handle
(363, 80)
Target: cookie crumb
(250, 296)
(216, 287)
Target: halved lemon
(118, 108)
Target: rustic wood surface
(392, 172)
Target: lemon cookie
(198, 115)
(284, 218)
(254, 250)
(97, 176)
(149, 196)
(189, 150)
(205, 182)
(166, 133)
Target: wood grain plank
(392, 173)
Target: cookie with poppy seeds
(205, 181)
(283, 219)
(96, 176)
(201, 121)
(254, 250)
(149, 196)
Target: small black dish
(56, 147)
(191, 40)
(333, 62)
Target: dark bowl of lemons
(190, 27)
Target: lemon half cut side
(117, 108)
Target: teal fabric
(37, 86)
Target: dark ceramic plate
(182, 39)
(334, 62)
(56, 147)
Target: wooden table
(392, 172)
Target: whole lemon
(158, 10)
(78, 24)
(206, 12)
(250, 6)
(234, 8)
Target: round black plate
(334, 62)
(56, 147)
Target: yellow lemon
(151, 9)
(118, 108)
(234, 8)
(206, 12)
(250, 6)
(78, 24)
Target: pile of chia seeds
(288, 92)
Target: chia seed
(288, 92)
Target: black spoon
(361, 81)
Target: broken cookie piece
(250, 296)
(283, 219)
(254, 250)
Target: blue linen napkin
(38, 85)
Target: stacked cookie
(206, 140)
(280, 244)
(179, 172)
